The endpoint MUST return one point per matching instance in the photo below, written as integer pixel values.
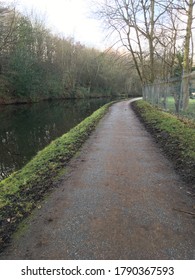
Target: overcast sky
(70, 17)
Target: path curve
(116, 201)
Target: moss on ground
(20, 192)
(175, 135)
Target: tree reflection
(26, 129)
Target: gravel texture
(120, 199)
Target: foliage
(177, 66)
(176, 136)
(37, 65)
(20, 192)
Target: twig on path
(183, 211)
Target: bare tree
(140, 25)
(7, 25)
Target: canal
(28, 128)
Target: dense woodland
(35, 64)
(155, 39)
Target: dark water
(26, 129)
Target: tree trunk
(151, 42)
(187, 62)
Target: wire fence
(168, 95)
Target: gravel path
(116, 201)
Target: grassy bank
(21, 192)
(176, 137)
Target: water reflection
(26, 129)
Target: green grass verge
(20, 192)
(175, 135)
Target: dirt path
(117, 201)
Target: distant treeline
(35, 64)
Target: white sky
(69, 17)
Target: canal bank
(26, 129)
(21, 191)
